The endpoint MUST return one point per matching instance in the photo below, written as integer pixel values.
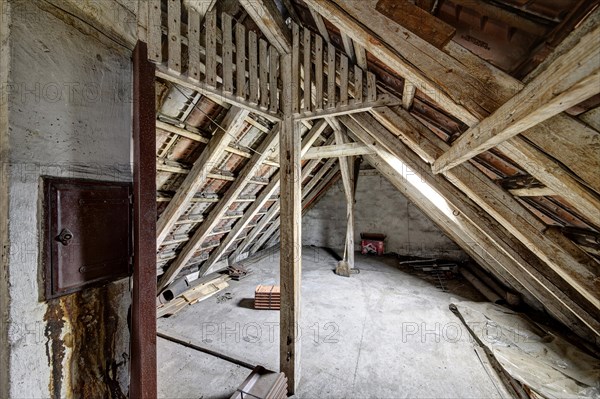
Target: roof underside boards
(540, 190)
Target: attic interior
(307, 198)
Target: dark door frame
(143, 313)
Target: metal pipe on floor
(509, 297)
(190, 345)
(481, 287)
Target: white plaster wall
(69, 115)
(379, 208)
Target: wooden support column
(291, 241)
(347, 170)
(143, 310)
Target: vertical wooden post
(291, 241)
(143, 313)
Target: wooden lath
(215, 57)
(318, 68)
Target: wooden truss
(318, 107)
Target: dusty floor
(383, 333)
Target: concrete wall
(69, 115)
(380, 208)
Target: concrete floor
(384, 333)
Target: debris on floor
(546, 364)
(441, 270)
(194, 295)
(267, 297)
(262, 384)
(225, 297)
(238, 272)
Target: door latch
(65, 237)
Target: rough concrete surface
(69, 100)
(382, 333)
(379, 208)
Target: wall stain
(92, 369)
(55, 350)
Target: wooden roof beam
(569, 80)
(268, 18)
(220, 208)
(562, 255)
(232, 124)
(338, 150)
(467, 216)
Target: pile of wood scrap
(267, 297)
(262, 384)
(198, 293)
(238, 272)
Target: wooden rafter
(214, 217)
(268, 18)
(261, 200)
(467, 220)
(560, 254)
(231, 125)
(472, 89)
(274, 209)
(338, 150)
(569, 80)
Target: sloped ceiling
(508, 214)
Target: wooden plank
(358, 84)
(371, 87)
(361, 56)
(331, 76)
(295, 82)
(270, 21)
(320, 24)
(253, 65)
(418, 21)
(570, 79)
(214, 94)
(226, 28)
(220, 209)
(348, 46)
(155, 31)
(263, 55)
(174, 35)
(193, 45)
(233, 122)
(211, 48)
(462, 210)
(291, 240)
(240, 59)
(273, 77)
(532, 192)
(561, 255)
(408, 94)
(318, 73)
(338, 150)
(343, 80)
(352, 108)
(307, 50)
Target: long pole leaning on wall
(143, 315)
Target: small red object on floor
(372, 243)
